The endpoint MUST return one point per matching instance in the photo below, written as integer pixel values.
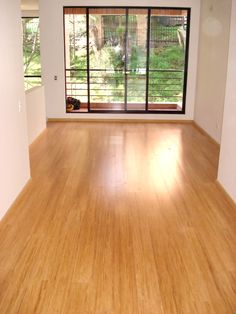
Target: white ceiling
(29, 5)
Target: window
(31, 52)
(129, 60)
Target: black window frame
(146, 111)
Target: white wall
(30, 13)
(29, 4)
(36, 112)
(52, 54)
(14, 158)
(212, 65)
(227, 165)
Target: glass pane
(167, 59)
(107, 58)
(31, 82)
(77, 89)
(136, 59)
(31, 52)
(76, 60)
(107, 89)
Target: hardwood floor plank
(120, 218)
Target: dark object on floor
(69, 108)
(73, 101)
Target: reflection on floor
(120, 218)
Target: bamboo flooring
(120, 218)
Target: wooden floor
(120, 218)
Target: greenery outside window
(126, 59)
(31, 52)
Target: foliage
(31, 46)
(78, 62)
(166, 63)
(171, 57)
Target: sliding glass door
(76, 61)
(136, 59)
(167, 59)
(126, 59)
(107, 31)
